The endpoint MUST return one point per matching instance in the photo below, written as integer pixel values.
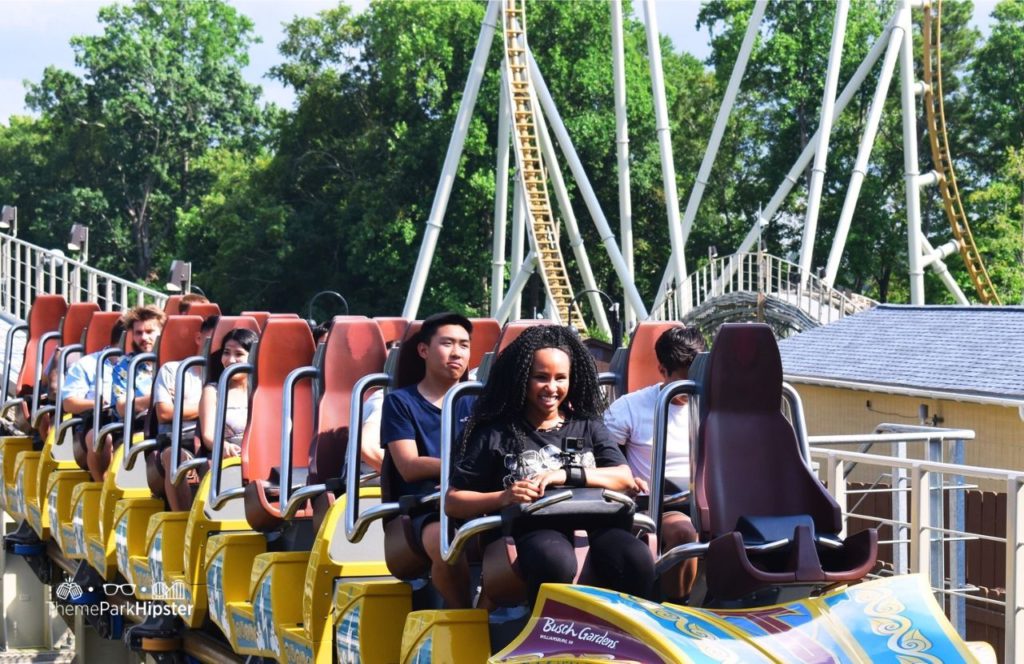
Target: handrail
(760, 272)
(796, 409)
(100, 397)
(177, 423)
(287, 430)
(134, 366)
(41, 270)
(355, 522)
(9, 356)
(217, 497)
(58, 413)
(450, 548)
(661, 413)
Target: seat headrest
(97, 336)
(392, 327)
(260, 317)
(227, 323)
(47, 310)
(486, 332)
(641, 360)
(204, 309)
(744, 368)
(75, 321)
(354, 348)
(172, 304)
(286, 343)
(177, 339)
(513, 329)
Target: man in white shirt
(630, 422)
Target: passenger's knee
(676, 529)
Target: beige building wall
(998, 443)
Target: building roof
(972, 353)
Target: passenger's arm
(208, 416)
(411, 466)
(370, 450)
(77, 405)
(465, 504)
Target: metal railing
(763, 273)
(28, 270)
(924, 539)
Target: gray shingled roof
(966, 351)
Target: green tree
(161, 84)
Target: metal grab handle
(300, 498)
(661, 412)
(217, 498)
(40, 412)
(644, 523)
(381, 511)
(62, 362)
(547, 501)
(677, 554)
(139, 448)
(618, 497)
(368, 477)
(40, 350)
(100, 396)
(465, 533)
(177, 421)
(134, 366)
(828, 541)
(8, 357)
(767, 547)
(287, 429)
(183, 469)
(430, 498)
(449, 551)
(677, 498)
(97, 439)
(63, 426)
(17, 401)
(356, 523)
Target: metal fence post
(920, 523)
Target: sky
(35, 34)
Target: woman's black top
(494, 461)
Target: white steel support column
(451, 162)
(518, 245)
(571, 227)
(910, 161)
(863, 155)
(509, 308)
(589, 197)
(934, 259)
(668, 170)
(738, 70)
(835, 58)
(765, 215)
(622, 152)
(500, 202)
(805, 157)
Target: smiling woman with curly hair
(538, 425)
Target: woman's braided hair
(504, 396)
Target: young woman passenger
(542, 390)
(234, 349)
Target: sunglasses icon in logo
(114, 588)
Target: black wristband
(575, 476)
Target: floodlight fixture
(181, 277)
(78, 240)
(9, 219)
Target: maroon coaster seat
(44, 318)
(752, 486)
(285, 345)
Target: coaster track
(543, 227)
(931, 31)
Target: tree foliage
(159, 145)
